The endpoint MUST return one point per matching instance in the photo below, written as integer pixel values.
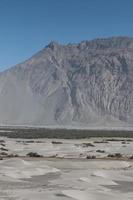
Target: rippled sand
(64, 172)
(65, 179)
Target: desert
(54, 168)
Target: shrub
(33, 154)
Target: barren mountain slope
(86, 84)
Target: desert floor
(66, 169)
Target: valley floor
(61, 169)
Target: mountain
(86, 84)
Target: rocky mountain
(86, 84)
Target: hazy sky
(26, 26)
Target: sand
(67, 176)
(71, 179)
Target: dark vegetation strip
(34, 133)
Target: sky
(27, 26)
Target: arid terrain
(66, 100)
(98, 168)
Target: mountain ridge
(85, 84)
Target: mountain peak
(53, 45)
(98, 44)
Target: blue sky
(26, 26)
